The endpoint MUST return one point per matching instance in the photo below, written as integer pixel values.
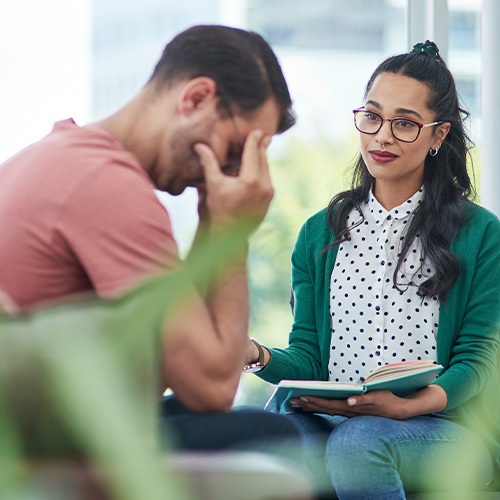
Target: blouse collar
(403, 211)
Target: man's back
(78, 213)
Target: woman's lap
(374, 457)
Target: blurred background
(86, 58)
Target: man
(78, 211)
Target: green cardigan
(468, 330)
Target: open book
(400, 378)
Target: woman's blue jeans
(376, 458)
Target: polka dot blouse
(372, 322)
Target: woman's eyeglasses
(403, 129)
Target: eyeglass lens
(402, 129)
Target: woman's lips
(382, 156)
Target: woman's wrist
(259, 359)
(431, 399)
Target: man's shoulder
(75, 156)
(69, 170)
(88, 142)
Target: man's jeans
(245, 429)
(375, 458)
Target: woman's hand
(379, 403)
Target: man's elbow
(208, 398)
(219, 403)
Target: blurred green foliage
(79, 384)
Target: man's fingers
(208, 161)
(264, 167)
(250, 160)
(254, 160)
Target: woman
(400, 267)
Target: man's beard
(186, 164)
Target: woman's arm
(470, 320)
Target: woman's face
(397, 165)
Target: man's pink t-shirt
(78, 213)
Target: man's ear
(197, 94)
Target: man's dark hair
(242, 64)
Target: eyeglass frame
(229, 110)
(383, 120)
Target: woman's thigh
(419, 454)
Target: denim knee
(359, 460)
(373, 457)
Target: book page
(394, 370)
(319, 384)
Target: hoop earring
(434, 152)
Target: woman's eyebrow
(374, 103)
(408, 112)
(403, 111)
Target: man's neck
(136, 127)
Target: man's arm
(204, 345)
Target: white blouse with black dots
(373, 323)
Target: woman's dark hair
(439, 218)
(242, 64)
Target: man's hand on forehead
(249, 193)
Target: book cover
(400, 378)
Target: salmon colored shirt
(78, 213)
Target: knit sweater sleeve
(469, 324)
